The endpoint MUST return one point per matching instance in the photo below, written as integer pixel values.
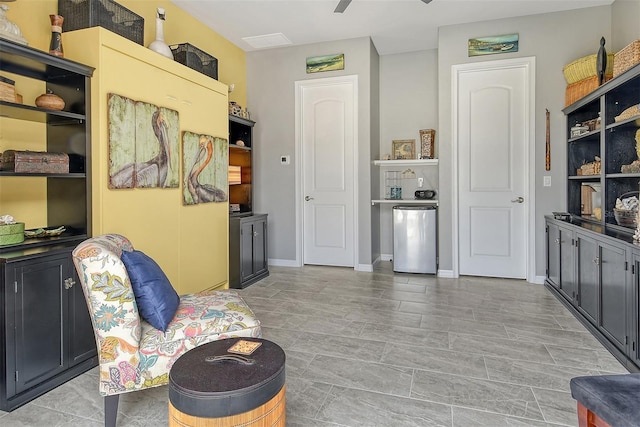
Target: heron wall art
(205, 162)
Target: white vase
(158, 45)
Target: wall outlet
(420, 182)
(285, 160)
(546, 181)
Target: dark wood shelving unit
(593, 263)
(47, 336)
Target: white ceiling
(395, 26)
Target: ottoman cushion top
(210, 382)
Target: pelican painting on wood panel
(206, 160)
(141, 155)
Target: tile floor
(385, 349)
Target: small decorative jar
(50, 101)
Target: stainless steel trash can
(415, 239)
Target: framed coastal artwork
(317, 64)
(506, 43)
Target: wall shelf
(433, 202)
(408, 162)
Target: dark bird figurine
(202, 193)
(153, 172)
(601, 63)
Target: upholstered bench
(607, 400)
(140, 324)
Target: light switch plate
(546, 181)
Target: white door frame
(529, 64)
(299, 187)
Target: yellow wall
(189, 242)
(32, 16)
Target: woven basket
(626, 217)
(628, 113)
(591, 168)
(626, 58)
(585, 67)
(580, 89)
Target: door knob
(68, 283)
(307, 198)
(518, 200)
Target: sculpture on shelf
(601, 63)
(158, 45)
(9, 30)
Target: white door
(493, 135)
(327, 113)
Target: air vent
(267, 40)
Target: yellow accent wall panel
(190, 243)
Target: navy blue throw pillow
(156, 299)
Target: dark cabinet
(614, 288)
(606, 296)
(247, 250)
(633, 308)
(45, 329)
(47, 332)
(560, 259)
(604, 260)
(588, 276)
(554, 255)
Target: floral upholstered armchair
(133, 354)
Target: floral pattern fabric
(132, 353)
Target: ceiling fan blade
(343, 5)
(426, 1)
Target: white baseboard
(447, 274)
(386, 257)
(284, 262)
(539, 280)
(364, 267)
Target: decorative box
(34, 162)
(107, 14)
(11, 234)
(7, 90)
(196, 59)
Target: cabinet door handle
(68, 283)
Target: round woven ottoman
(232, 382)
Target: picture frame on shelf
(427, 143)
(403, 149)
